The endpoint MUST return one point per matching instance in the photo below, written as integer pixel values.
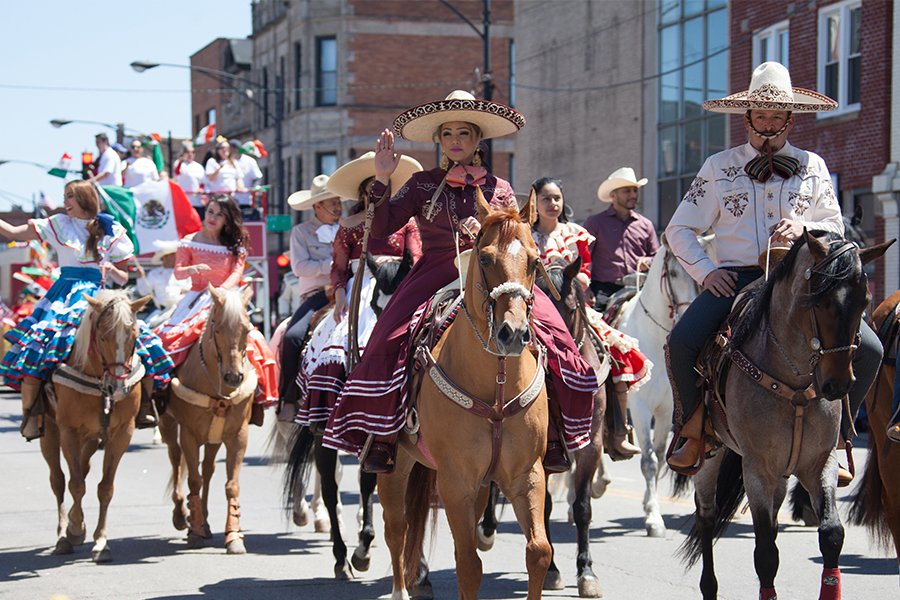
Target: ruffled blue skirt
(45, 337)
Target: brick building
(219, 99)
(841, 48)
(347, 68)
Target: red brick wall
(501, 10)
(209, 57)
(856, 148)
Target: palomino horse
(209, 402)
(587, 459)
(306, 446)
(877, 503)
(649, 317)
(781, 420)
(482, 414)
(97, 394)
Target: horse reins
(665, 288)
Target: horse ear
(138, 304)
(95, 304)
(818, 250)
(528, 213)
(373, 266)
(857, 219)
(867, 255)
(246, 295)
(214, 292)
(484, 209)
(572, 269)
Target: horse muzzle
(511, 341)
(835, 389)
(233, 378)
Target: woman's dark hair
(538, 185)
(87, 199)
(363, 193)
(233, 235)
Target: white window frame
(842, 10)
(773, 35)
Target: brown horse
(877, 503)
(93, 401)
(783, 419)
(209, 402)
(469, 450)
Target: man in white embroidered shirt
(763, 189)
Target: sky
(70, 60)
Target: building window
(771, 44)
(265, 97)
(512, 73)
(298, 70)
(839, 55)
(326, 163)
(693, 68)
(197, 125)
(326, 71)
(210, 116)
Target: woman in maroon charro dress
(374, 398)
(323, 368)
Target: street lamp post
(118, 127)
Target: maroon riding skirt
(374, 397)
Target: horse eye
(484, 260)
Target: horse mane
(233, 309)
(833, 274)
(508, 219)
(120, 314)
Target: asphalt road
(151, 560)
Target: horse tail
(298, 463)
(729, 494)
(867, 508)
(681, 485)
(421, 501)
(801, 503)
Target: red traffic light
(87, 158)
(282, 260)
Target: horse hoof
(342, 572)
(655, 530)
(102, 555)
(589, 587)
(485, 542)
(63, 547)
(301, 515)
(421, 591)
(207, 532)
(179, 519)
(553, 581)
(360, 559)
(322, 526)
(194, 541)
(235, 547)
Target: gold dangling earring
(445, 162)
(476, 159)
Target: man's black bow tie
(763, 166)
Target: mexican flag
(205, 135)
(62, 167)
(156, 214)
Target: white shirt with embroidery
(742, 212)
(69, 237)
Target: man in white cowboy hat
(311, 246)
(624, 240)
(160, 282)
(764, 190)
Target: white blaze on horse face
(514, 247)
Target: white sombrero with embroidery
(420, 123)
(305, 199)
(345, 181)
(771, 89)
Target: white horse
(649, 317)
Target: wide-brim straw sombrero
(304, 199)
(158, 256)
(620, 178)
(345, 181)
(771, 89)
(419, 124)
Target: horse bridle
(106, 373)
(665, 288)
(490, 299)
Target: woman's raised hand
(386, 159)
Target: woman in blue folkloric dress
(373, 401)
(90, 246)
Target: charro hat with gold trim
(419, 124)
(771, 89)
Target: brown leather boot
(845, 477)
(379, 459)
(555, 459)
(32, 424)
(619, 446)
(688, 455)
(146, 417)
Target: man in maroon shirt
(625, 240)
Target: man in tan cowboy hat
(624, 241)
(311, 246)
(764, 189)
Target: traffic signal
(87, 160)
